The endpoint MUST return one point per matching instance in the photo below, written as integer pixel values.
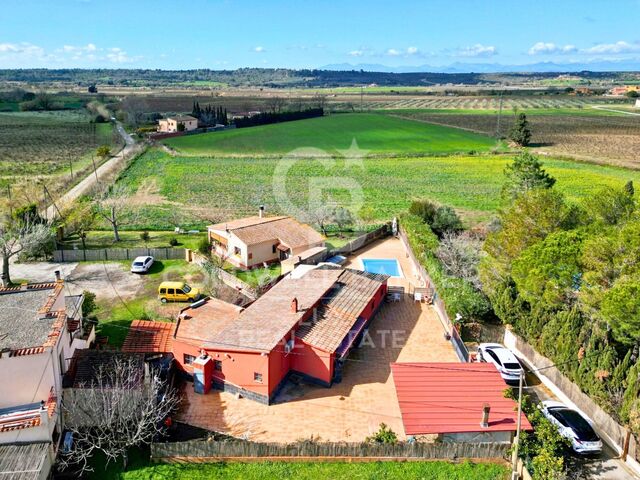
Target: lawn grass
(256, 276)
(115, 315)
(436, 470)
(471, 184)
(373, 132)
(97, 239)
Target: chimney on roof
(261, 211)
(485, 416)
(57, 274)
(294, 305)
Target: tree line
(265, 118)
(210, 115)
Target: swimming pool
(388, 266)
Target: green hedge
(458, 295)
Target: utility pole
(10, 202)
(499, 116)
(514, 464)
(95, 172)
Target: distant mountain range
(460, 67)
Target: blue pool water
(387, 266)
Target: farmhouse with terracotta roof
(253, 241)
(40, 329)
(172, 124)
(305, 326)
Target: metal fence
(438, 303)
(199, 450)
(108, 254)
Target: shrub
(425, 209)
(174, 242)
(144, 236)
(383, 435)
(89, 304)
(446, 220)
(203, 246)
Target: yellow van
(177, 292)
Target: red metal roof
(149, 337)
(449, 397)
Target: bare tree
(113, 204)
(321, 216)
(118, 409)
(460, 255)
(17, 236)
(319, 100)
(276, 104)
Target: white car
(141, 264)
(572, 425)
(502, 358)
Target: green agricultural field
(379, 134)
(229, 187)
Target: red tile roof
(449, 397)
(149, 337)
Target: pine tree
(628, 187)
(520, 133)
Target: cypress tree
(520, 133)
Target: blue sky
(182, 34)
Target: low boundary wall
(108, 254)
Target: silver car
(141, 264)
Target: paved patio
(349, 411)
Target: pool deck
(389, 248)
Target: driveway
(109, 280)
(602, 467)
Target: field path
(105, 171)
(616, 111)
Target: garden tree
(103, 151)
(275, 104)
(633, 94)
(532, 216)
(524, 174)
(113, 205)
(341, 217)
(78, 217)
(612, 205)
(446, 220)
(628, 187)
(119, 409)
(460, 255)
(621, 309)
(549, 271)
(17, 236)
(520, 133)
(181, 127)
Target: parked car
(141, 264)
(502, 358)
(177, 292)
(572, 425)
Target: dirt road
(107, 170)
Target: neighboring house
(624, 90)
(251, 242)
(303, 326)
(40, 329)
(457, 402)
(170, 124)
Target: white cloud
(548, 48)
(117, 55)
(412, 50)
(23, 48)
(478, 50)
(617, 47)
(356, 53)
(259, 49)
(392, 52)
